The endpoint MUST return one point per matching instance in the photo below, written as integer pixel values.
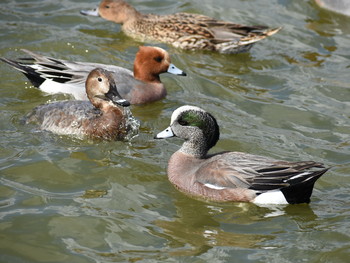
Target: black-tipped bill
(114, 96)
(176, 71)
(122, 102)
(167, 133)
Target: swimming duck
(60, 76)
(338, 6)
(232, 176)
(102, 117)
(182, 30)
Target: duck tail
(301, 186)
(35, 78)
(272, 31)
(257, 35)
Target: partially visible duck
(60, 76)
(338, 6)
(182, 30)
(103, 117)
(232, 176)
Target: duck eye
(99, 79)
(183, 122)
(158, 59)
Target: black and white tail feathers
(39, 68)
(292, 183)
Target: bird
(142, 86)
(103, 117)
(232, 176)
(182, 30)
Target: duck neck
(145, 76)
(130, 15)
(195, 148)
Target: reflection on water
(69, 200)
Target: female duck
(183, 30)
(59, 76)
(103, 117)
(232, 176)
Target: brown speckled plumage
(183, 30)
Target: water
(69, 200)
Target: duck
(103, 117)
(142, 86)
(182, 30)
(339, 6)
(232, 176)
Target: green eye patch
(192, 119)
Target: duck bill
(121, 102)
(176, 71)
(93, 12)
(167, 133)
(114, 96)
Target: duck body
(103, 117)
(232, 176)
(60, 76)
(197, 32)
(81, 119)
(182, 30)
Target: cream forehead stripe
(178, 111)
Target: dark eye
(158, 59)
(106, 6)
(99, 79)
(183, 122)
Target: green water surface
(69, 200)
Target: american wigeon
(182, 30)
(53, 75)
(103, 117)
(232, 176)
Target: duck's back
(65, 117)
(69, 77)
(168, 28)
(195, 31)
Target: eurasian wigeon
(232, 176)
(103, 117)
(53, 75)
(182, 30)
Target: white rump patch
(215, 187)
(275, 197)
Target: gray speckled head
(197, 127)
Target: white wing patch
(215, 187)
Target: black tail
(300, 189)
(35, 78)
